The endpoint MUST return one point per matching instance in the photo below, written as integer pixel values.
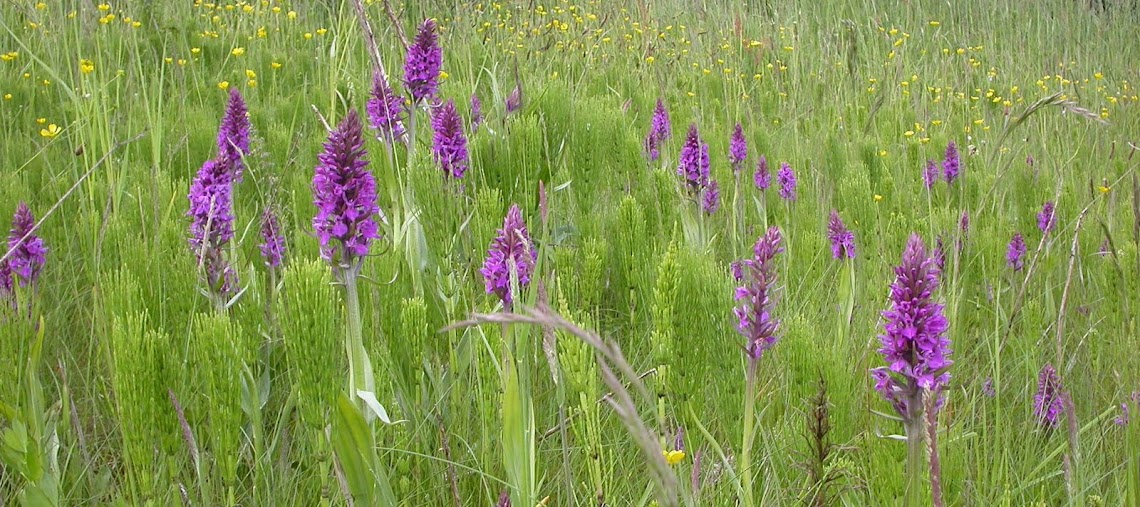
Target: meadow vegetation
(549, 253)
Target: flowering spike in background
(930, 174)
(710, 198)
(737, 149)
(659, 130)
(386, 111)
(423, 63)
(951, 163)
(233, 134)
(212, 224)
(787, 180)
(476, 113)
(755, 320)
(344, 193)
(694, 161)
(762, 178)
(1048, 403)
(272, 241)
(26, 255)
(1047, 219)
(512, 248)
(1016, 250)
(449, 144)
(842, 239)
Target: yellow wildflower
(673, 457)
(878, 197)
(249, 73)
(86, 66)
(222, 85)
(237, 51)
(41, 121)
(51, 131)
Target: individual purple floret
(914, 342)
(988, 388)
(233, 134)
(659, 130)
(710, 198)
(762, 178)
(1126, 410)
(511, 249)
(27, 253)
(737, 149)
(842, 239)
(754, 313)
(951, 163)
(514, 99)
(449, 145)
(212, 224)
(787, 180)
(1048, 404)
(272, 241)
(1047, 219)
(476, 113)
(1017, 249)
(930, 174)
(344, 193)
(386, 111)
(423, 63)
(694, 165)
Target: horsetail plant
(915, 347)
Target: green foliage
(310, 322)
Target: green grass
(855, 96)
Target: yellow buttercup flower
(878, 198)
(275, 65)
(41, 6)
(1104, 189)
(238, 51)
(673, 457)
(51, 131)
(322, 31)
(41, 121)
(7, 96)
(249, 73)
(252, 83)
(223, 85)
(10, 56)
(86, 66)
